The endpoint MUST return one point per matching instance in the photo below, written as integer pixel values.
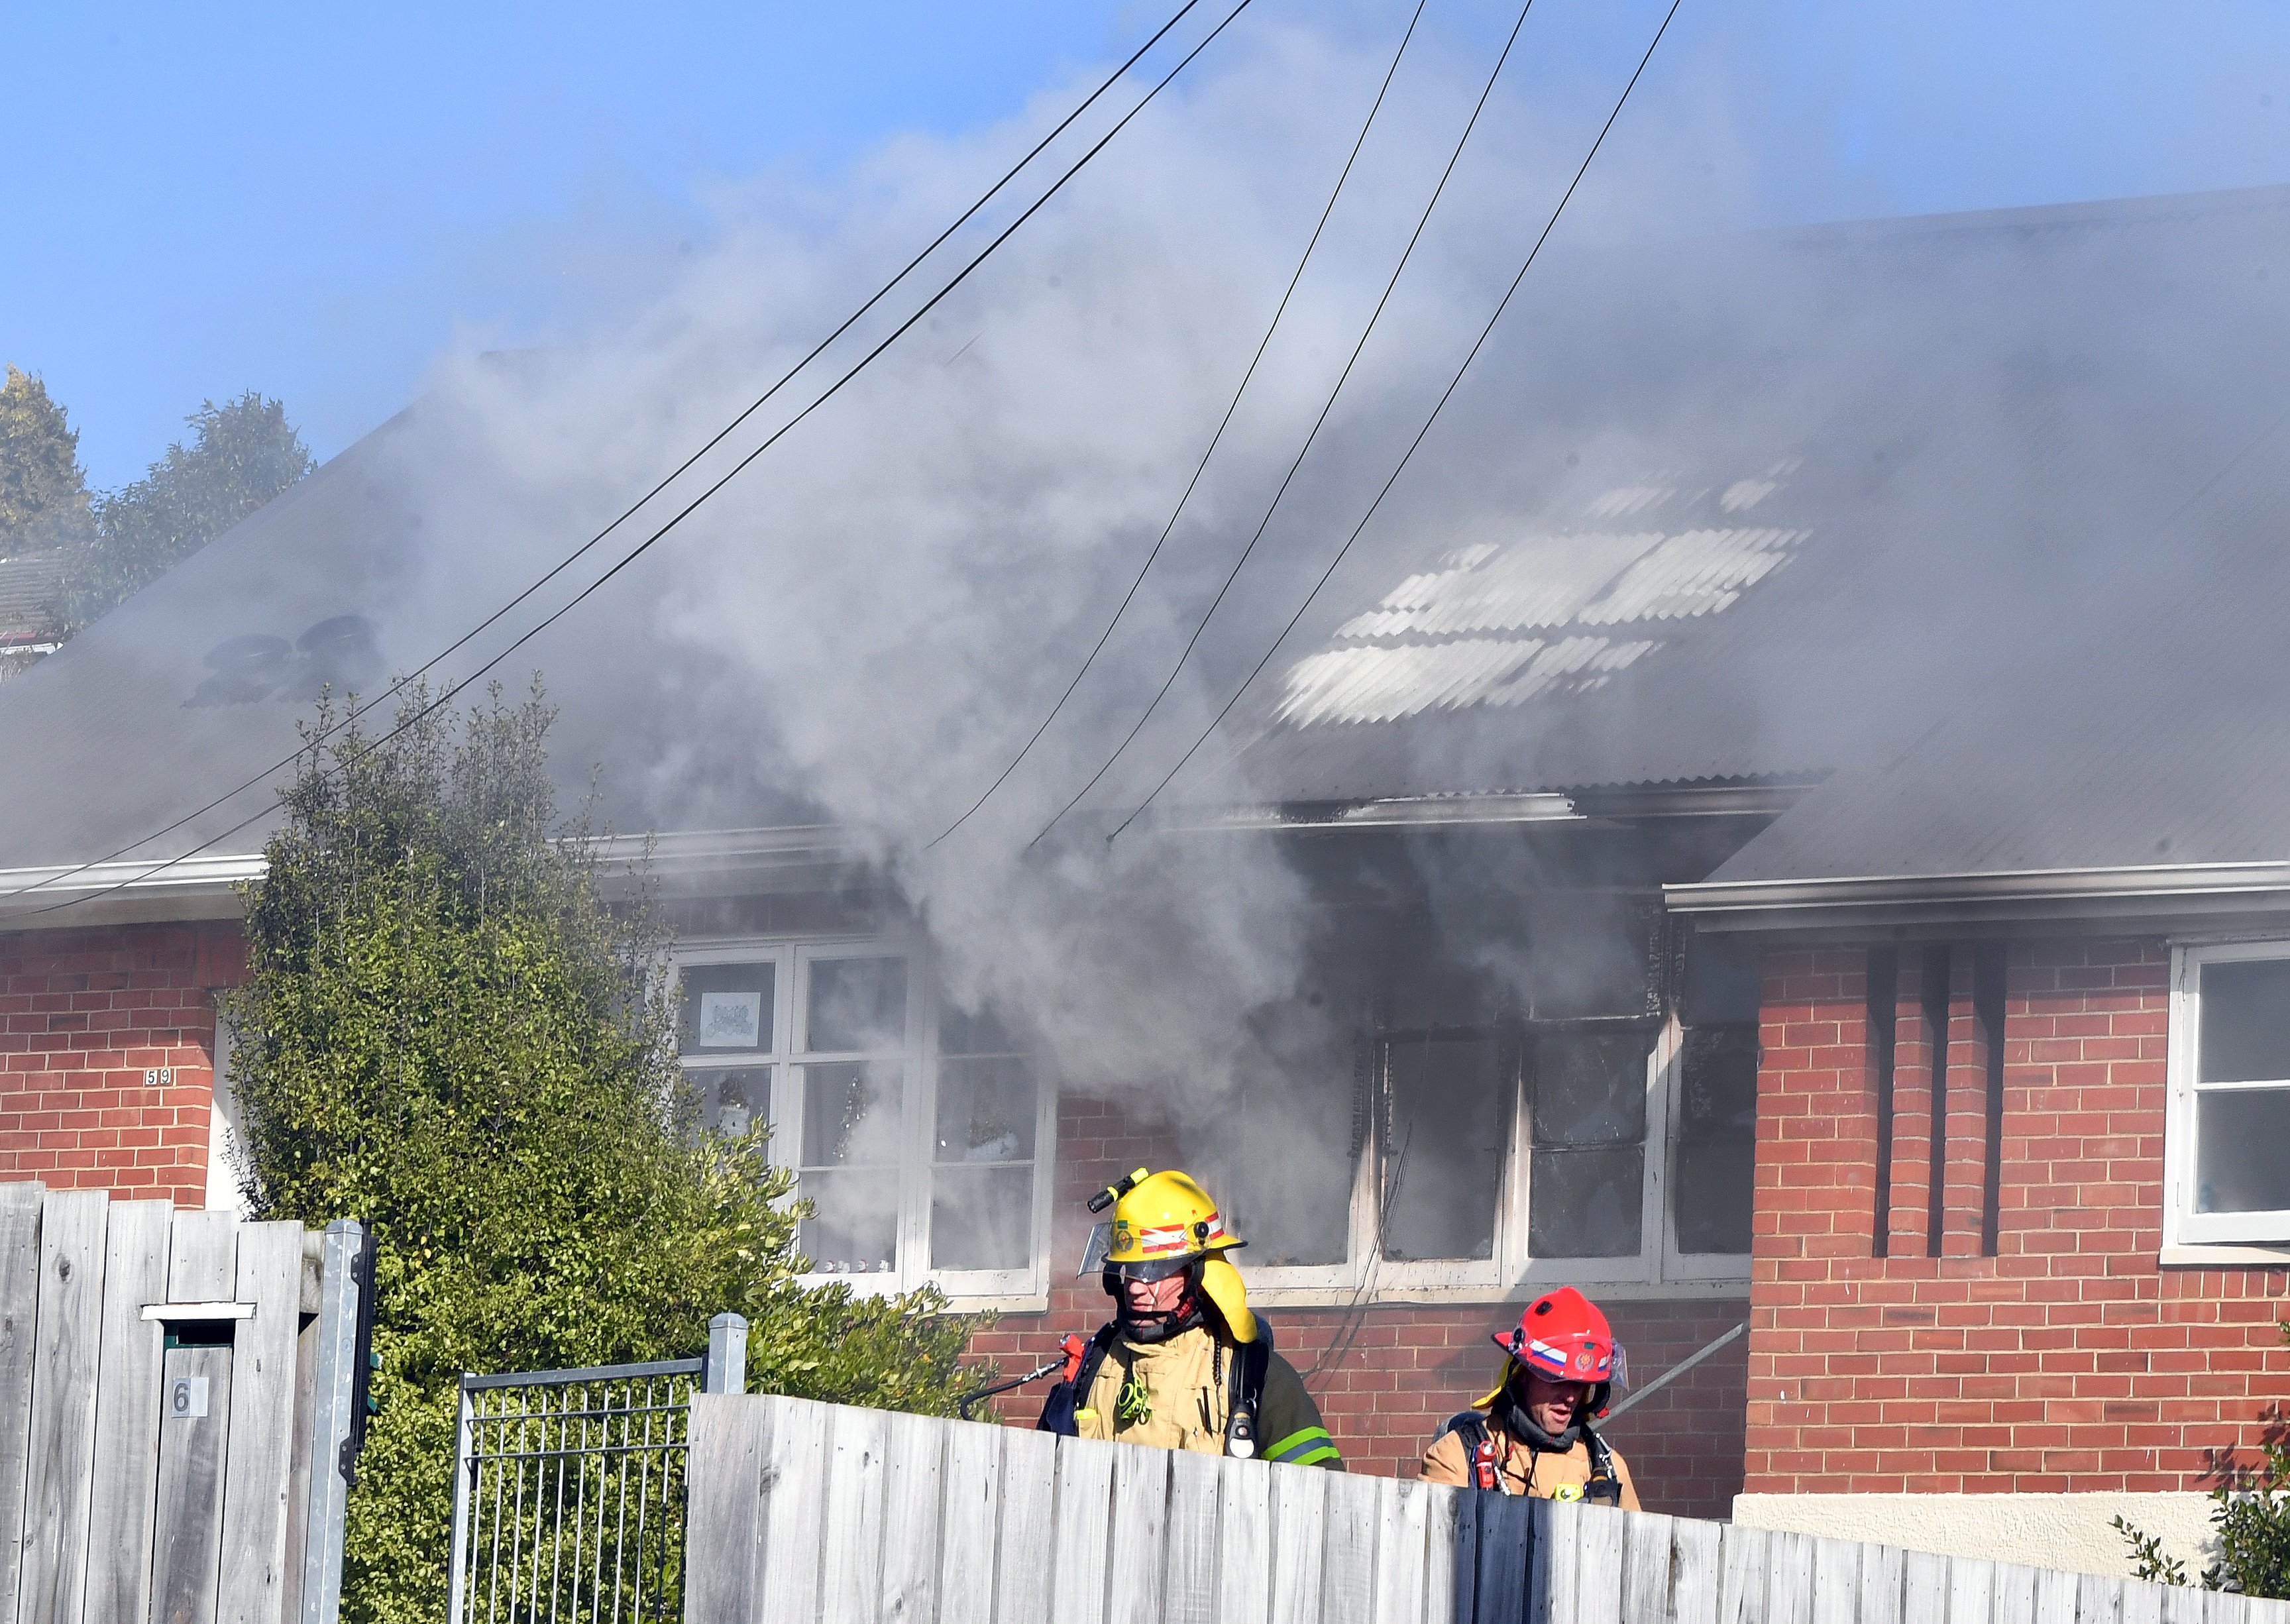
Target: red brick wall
(2071, 1361)
(1403, 1369)
(83, 1015)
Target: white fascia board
(2158, 895)
(686, 862)
(202, 887)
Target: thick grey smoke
(874, 617)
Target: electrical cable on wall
(1446, 395)
(1215, 440)
(453, 690)
(1319, 422)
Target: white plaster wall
(2070, 1531)
(223, 1194)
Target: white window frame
(2182, 1225)
(1658, 1267)
(1016, 1289)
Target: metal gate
(569, 1488)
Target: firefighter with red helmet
(1183, 1364)
(1532, 1434)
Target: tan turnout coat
(1547, 1476)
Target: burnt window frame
(1017, 1290)
(2196, 1236)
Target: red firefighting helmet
(1562, 1337)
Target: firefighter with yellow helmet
(1183, 1364)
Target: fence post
(727, 1354)
(331, 1419)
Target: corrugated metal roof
(1731, 513)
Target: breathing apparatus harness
(1485, 1452)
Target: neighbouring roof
(1717, 513)
(30, 584)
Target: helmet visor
(1151, 1269)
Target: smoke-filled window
(920, 1158)
(2228, 1178)
(1714, 1145)
(1585, 1190)
(1447, 1133)
(1491, 1092)
(982, 1154)
(1281, 1151)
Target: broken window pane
(1443, 1161)
(2240, 1162)
(854, 1228)
(1586, 1204)
(724, 1006)
(985, 1111)
(1589, 1087)
(981, 1217)
(2245, 1021)
(733, 1101)
(851, 1114)
(857, 1004)
(1715, 1161)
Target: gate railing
(569, 1488)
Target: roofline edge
(2173, 896)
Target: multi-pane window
(914, 1127)
(2229, 1179)
(1439, 1110)
(1714, 1132)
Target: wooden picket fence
(163, 1383)
(804, 1512)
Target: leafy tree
(245, 453)
(44, 500)
(2250, 1508)
(447, 1032)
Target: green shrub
(447, 1033)
(2251, 1510)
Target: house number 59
(158, 1076)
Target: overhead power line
(1215, 440)
(447, 695)
(1319, 422)
(1441, 405)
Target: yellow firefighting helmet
(1164, 1223)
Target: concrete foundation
(2070, 1531)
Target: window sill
(2218, 1255)
(1262, 1294)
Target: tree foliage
(43, 501)
(2250, 1508)
(245, 453)
(447, 1033)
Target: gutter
(2173, 895)
(708, 862)
(1576, 806)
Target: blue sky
(316, 200)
